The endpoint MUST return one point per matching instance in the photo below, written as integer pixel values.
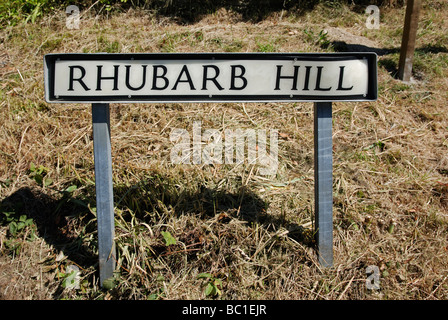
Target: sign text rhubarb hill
(209, 77)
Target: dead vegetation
(252, 232)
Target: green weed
(14, 12)
(214, 285)
(16, 223)
(169, 239)
(317, 38)
(39, 174)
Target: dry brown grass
(253, 232)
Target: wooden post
(323, 181)
(104, 189)
(408, 40)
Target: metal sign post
(104, 189)
(323, 181)
(101, 79)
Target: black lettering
(240, 76)
(188, 80)
(341, 77)
(307, 78)
(319, 76)
(72, 79)
(162, 76)
(294, 78)
(128, 67)
(213, 79)
(100, 77)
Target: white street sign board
(210, 77)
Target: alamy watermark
(233, 146)
(73, 19)
(373, 20)
(72, 277)
(373, 279)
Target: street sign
(209, 77)
(101, 79)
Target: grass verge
(224, 231)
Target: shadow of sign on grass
(159, 194)
(56, 220)
(67, 223)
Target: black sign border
(50, 60)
